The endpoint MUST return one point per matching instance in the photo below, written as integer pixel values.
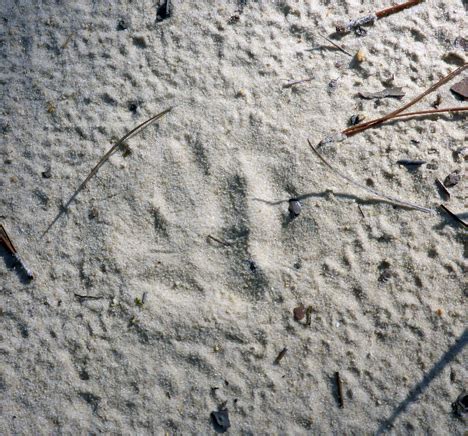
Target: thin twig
(6, 241)
(361, 127)
(105, 158)
(219, 241)
(343, 27)
(455, 217)
(443, 188)
(394, 200)
(336, 45)
(296, 82)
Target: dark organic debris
(252, 265)
(133, 106)
(411, 162)
(299, 312)
(460, 405)
(461, 42)
(122, 25)
(219, 241)
(360, 31)
(436, 103)
(452, 179)
(220, 420)
(387, 92)
(356, 119)
(164, 11)
(339, 387)
(295, 208)
(234, 19)
(309, 315)
(461, 88)
(47, 174)
(280, 356)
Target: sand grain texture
(224, 163)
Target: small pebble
(452, 179)
(294, 208)
(121, 25)
(299, 312)
(221, 421)
(47, 174)
(360, 55)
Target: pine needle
(394, 200)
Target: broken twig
(443, 188)
(365, 188)
(342, 27)
(6, 242)
(455, 217)
(280, 356)
(334, 44)
(296, 82)
(105, 158)
(398, 113)
(339, 387)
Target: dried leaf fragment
(387, 92)
(461, 88)
(299, 312)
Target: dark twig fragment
(455, 217)
(443, 188)
(6, 242)
(309, 315)
(219, 241)
(280, 356)
(411, 162)
(399, 112)
(339, 387)
(369, 19)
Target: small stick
(296, 82)
(339, 386)
(369, 19)
(105, 158)
(336, 45)
(6, 241)
(443, 188)
(365, 188)
(360, 210)
(87, 297)
(69, 37)
(280, 356)
(398, 112)
(219, 241)
(309, 315)
(455, 217)
(397, 8)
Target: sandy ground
(386, 284)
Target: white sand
(225, 162)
